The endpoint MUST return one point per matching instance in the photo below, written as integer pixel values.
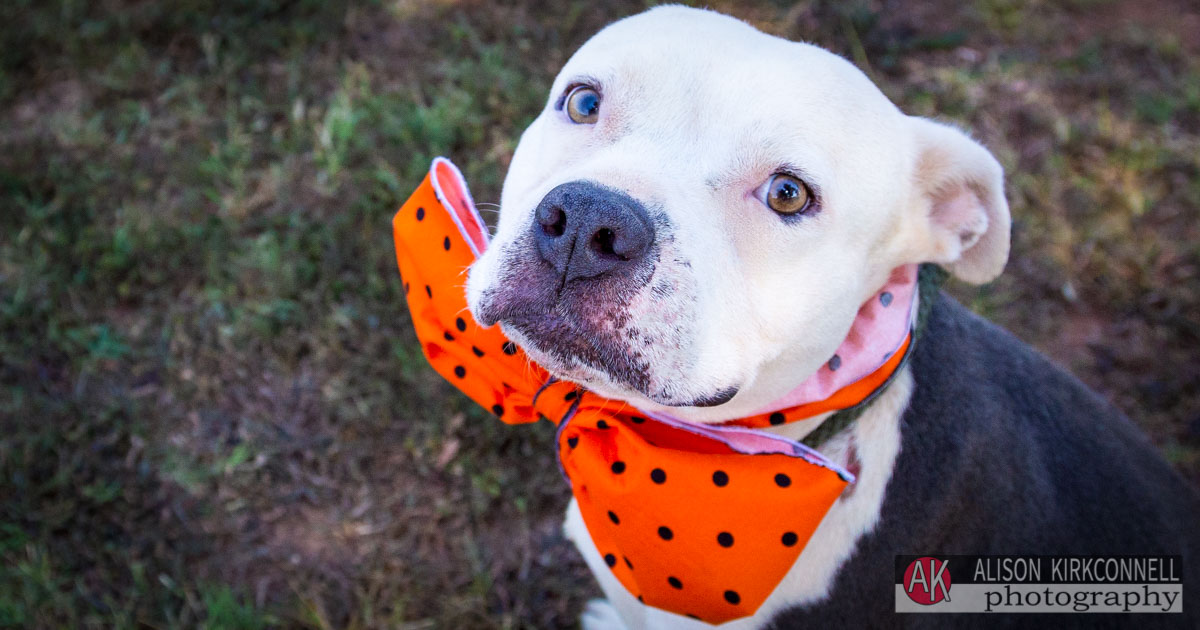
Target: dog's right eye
(583, 105)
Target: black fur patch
(1002, 452)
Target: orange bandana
(699, 520)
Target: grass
(214, 412)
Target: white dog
(693, 223)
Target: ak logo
(927, 581)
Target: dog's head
(695, 218)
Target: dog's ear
(958, 203)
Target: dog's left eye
(583, 105)
(786, 194)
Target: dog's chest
(871, 445)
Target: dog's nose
(585, 230)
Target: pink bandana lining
(878, 331)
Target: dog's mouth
(602, 364)
(719, 398)
(618, 334)
(580, 330)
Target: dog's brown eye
(786, 194)
(583, 105)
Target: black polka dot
(835, 363)
(665, 533)
(783, 480)
(601, 424)
(460, 324)
(618, 467)
(610, 560)
(573, 441)
(612, 516)
(447, 336)
(637, 419)
(691, 616)
(658, 475)
(789, 539)
(725, 539)
(420, 213)
(428, 291)
(460, 371)
(498, 410)
(641, 600)
(720, 478)
(406, 288)
(477, 351)
(732, 597)
(627, 563)
(776, 418)
(885, 299)
(509, 348)
(674, 582)
(446, 243)
(570, 395)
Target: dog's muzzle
(569, 280)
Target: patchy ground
(212, 406)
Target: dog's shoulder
(1003, 452)
(1020, 435)
(973, 377)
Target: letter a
(918, 575)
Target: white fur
(698, 111)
